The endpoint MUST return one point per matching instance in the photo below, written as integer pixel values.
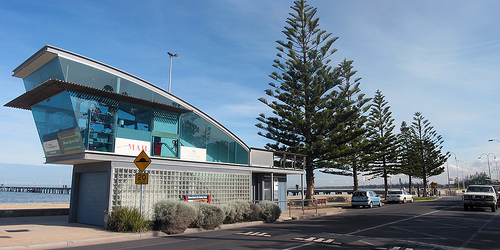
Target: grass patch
(424, 198)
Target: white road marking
(411, 231)
(478, 231)
(394, 222)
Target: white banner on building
(193, 154)
(131, 147)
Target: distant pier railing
(43, 190)
(321, 191)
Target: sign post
(142, 162)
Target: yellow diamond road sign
(142, 161)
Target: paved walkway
(46, 232)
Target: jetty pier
(43, 190)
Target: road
(439, 224)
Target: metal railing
(290, 204)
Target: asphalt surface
(48, 232)
(440, 224)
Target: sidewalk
(44, 232)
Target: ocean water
(25, 198)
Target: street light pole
(456, 165)
(488, 157)
(498, 178)
(448, 170)
(170, 73)
(496, 169)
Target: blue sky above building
(438, 58)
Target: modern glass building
(99, 118)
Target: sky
(440, 58)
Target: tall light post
(448, 170)
(488, 157)
(495, 161)
(456, 165)
(170, 73)
(496, 168)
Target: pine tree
(309, 113)
(406, 159)
(352, 156)
(302, 90)
(426, 147)
(381, 127)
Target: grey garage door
(92, 198)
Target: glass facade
(56, 125)
(199, 133)
(50, 70)
(171, 184)
(96, 123)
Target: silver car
(399, 196)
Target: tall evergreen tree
(381, 127)
(406, 159)
(356, 147)
(302, 90)
(426, 145)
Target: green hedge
(209, 216)
(175, 216)
(125, 219)
(269, 211)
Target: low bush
(269, 211)
(173, 216)
(242, 209)
(229, 213)
(255, 212)
(340, 198)
(125, 219)
(209, 216)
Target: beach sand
(33, 206)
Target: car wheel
(494, 208)
(466, 208)
(411, 201)
(370, 205)
(380, 204)
(353, 206)
(404, 200)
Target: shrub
(125, 219)
(173, 216)
(229, 213)
(209, 216)
(242, 209)
(270, 211)
(255, 212)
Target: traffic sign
(142, 161)
(141, 178)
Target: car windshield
(395, 192)
(359, 193)
(480, 189)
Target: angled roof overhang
(53, 87)
(48, 53)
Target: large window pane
(199, 133)
(57, 126)
(50, 70)
(89, 76)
